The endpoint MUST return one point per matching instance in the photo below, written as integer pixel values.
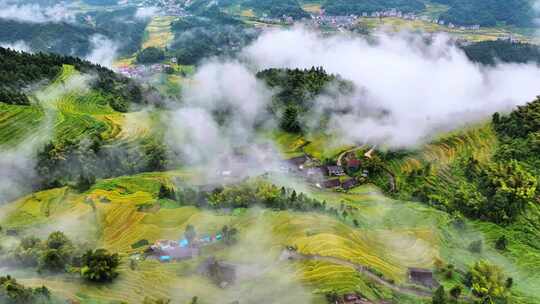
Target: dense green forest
(120, 26)
(277, 8)
(296, 90)
(79, 163)
(489, 12)
(150, 55)
(74, 39)
(12, 292)
(19, 70)
(491, 52)
(62, 38)
(499, 189)
(211, 33)
(347, 7)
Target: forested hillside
(296, 90)
(489, 12)
(347, 7)
(491, 52)
(277, 8)
(19, 70)
(489, 173)
(75, 38)
(210, 33)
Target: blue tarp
(184, 243)
(165, 258)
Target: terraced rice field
(17, 123)
(313, 8)
(398, 24)
(159, 33)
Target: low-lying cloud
(35, 13)
(19, 45)
(424, 87)
(103, 51)
(146, 12)
(407, 89)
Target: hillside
(75, 38)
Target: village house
(349, 184)
(335, 171)
(298, 162)
(330, 183)
(422, 277)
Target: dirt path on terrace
(292, 255)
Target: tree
(509, 187)
(289, 120)
(487, 282)
(28, 252)
(229, 235)
(11, 292)
(58, 240)
(501, 243)
(509, 283)
(54, 260)
(99, 266)
(476, 246)
(150, 55)
(439, 297)
(85, 181)
(455, 292)
(166, 192)
(190, 234)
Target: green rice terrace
(119, 208)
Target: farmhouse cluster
(183, 249)
(327, 176)
(140, 71)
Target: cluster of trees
(347, 7)
(277, 8)
(212, 33)
(58, 254)
(499, 189)
(12, 292)
(261, 193)
(79, 163)
(488, 12)
(13, 97)
(485, 280)
(296, 90)
(519, 136)
(150, 55)
(19, 70)
(491, 52)
(498, 192)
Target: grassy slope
(411, 227)
(483, 34)
(71, 114)
(391, 236)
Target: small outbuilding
(422, 277)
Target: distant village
(350, 21)
(141, 71)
